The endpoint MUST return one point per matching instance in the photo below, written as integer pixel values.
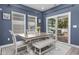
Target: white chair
(16, 47)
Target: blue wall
(5, 25)
(74, 9)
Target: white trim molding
(73, 45)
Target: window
(32, 24)
(18, 23)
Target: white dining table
(31, 37)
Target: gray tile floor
(73, 51)
(60, 49)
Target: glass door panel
(62, 31)
(52, 25)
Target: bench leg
(39, 51)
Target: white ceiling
(41, 7)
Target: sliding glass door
(58, 26)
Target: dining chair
(51, 36)
(16, 47)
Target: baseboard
(74, 45)
(7, 45)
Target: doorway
(59, 26)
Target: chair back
(13, 37)
(14, 41)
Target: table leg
(35, 50)
(0, 51)
(54, 44)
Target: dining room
(38, 29)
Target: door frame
(69, 24)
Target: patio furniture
(17, 47)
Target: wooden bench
(43, 46)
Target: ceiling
(41, 7)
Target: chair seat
(21, 46)
(43, 43)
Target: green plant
(63, 23)
(52, 22)
(38, 29)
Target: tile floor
(60, 49)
